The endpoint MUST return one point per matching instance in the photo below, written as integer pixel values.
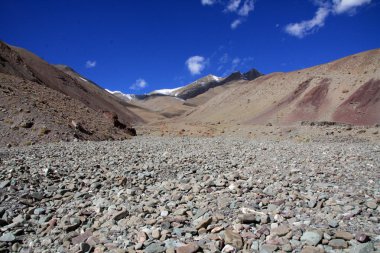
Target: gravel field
(161, 194)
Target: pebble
(204, 223)
(154, 248)
(121, 215)
(281, 230)
(228, 249)
(156, 233)
(268, 248)
(333, 223)
(311, 249)
(39, 211)
(362, 248)
(188, 248)
(125, 196)
(233, 238)
(4, 183)
(7, 237)
(344, 235)
(361, 237)
(338, 244)
(247, 218)
(85, 248)
(311, 238)
(371, 205)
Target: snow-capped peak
(168, 92)
(216, 78)
(121, 94)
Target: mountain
(170, 103)
(97, 112)
(346, 90)
(193, 89)
(208, 82)
(168, 92)
(41, 102)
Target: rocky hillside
(202, 85)
(53, 97)
(347, 91)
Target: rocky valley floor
(182, 194)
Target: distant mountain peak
(167, 92)
(195, 88)
(252, 74)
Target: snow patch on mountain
(83, 79)
(168, 92)
(121, 94)
(216, 78)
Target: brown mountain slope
(170, 107)
(347, 90)
(166, 106)
(22, 63)
(144, 114)
(33, 113)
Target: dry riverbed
(162, 194)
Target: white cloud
(139, 84)
(342, 6)
(196, 64)
(224, 58)
(236, 23)
(229, 65)
(236, 61)
(234, 66)
(304, 28)
(240, 8)
(208, 2)
(247, 7)
(233, 5)
(90, 64)
(326, 8)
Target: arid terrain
(282, 162)
(191, 194)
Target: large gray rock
(362, 248)
(7, 237)
(311, 238)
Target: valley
(250, 162)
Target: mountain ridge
(195, 88)
(67, 105)
(40, 97)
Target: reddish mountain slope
(63, 103)
(22, 63)
(347, 90)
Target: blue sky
(137, 46)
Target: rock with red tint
(188, 248)
(361, 237)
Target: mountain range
(41, 102)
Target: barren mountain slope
(209, 94)
(144, 114)
(167, 106)
(33, 113)
(172, 106)
(22, 63)
(347, 90)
